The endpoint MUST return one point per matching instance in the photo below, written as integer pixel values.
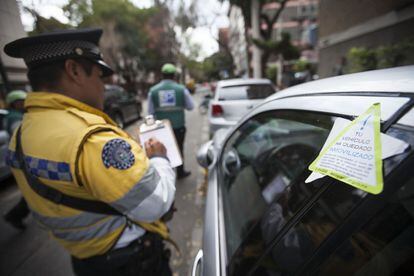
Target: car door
(273, 223)
(376, 235)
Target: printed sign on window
(167, 98)
(354, 155)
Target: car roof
(234, 82)
(393, 80)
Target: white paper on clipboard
(164, 133)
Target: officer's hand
(153, 147)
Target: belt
(122, 254)
(146, 254)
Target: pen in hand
(154, 147)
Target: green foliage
(301, 65)
(137, 40)
(42, 24)
(283, 47)
(195, 69)
(271, 73)
(216, 64)
(245, 6)
(187, 16)
(363, 59)
(75, 10)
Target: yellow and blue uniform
(79, 150)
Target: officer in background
(15, 103)
(167, 100)
(86, 180)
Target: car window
(124, 95)
(110, 92)
(298, 244)
(384, 246)
(266, 161)
(245, 92)
(289, 252)
(115, 91)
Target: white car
(262, 218)
(234, 98)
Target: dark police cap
(48, 47)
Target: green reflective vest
(169, 102)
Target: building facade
(300, 20)
(354, 23)
(13, 71)
(237, 41)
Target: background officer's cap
(48, 47)
(168, 68)
(15, 95)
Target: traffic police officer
(86, 180)
(15, 103)
(167, 100)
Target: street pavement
(34, 252)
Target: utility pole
(257, 53)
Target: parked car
(261, 218)
(5, 171)
(233, 98)
(120, 105)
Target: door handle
(198, 259)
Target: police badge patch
(117, 153)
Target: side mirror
(231, 163)
(205, 155)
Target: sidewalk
(30, 251)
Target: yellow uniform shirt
(80, 151)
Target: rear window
(245, 92)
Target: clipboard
(163, 131)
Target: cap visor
(106, 70)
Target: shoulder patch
(117, 153)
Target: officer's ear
(74, 71)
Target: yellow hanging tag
(354, 155)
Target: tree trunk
(264, 60)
